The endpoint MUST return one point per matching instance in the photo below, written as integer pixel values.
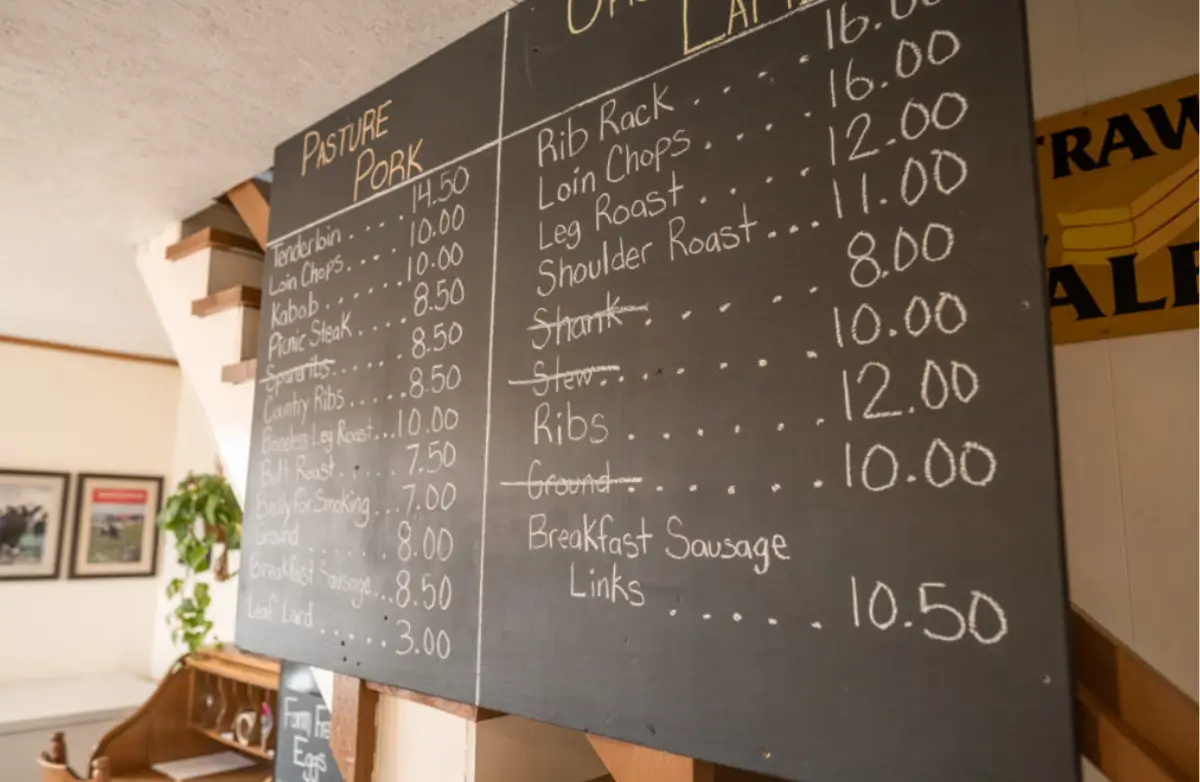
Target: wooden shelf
(212, 237)
(234, 744)
(249, 669)
(228, 299)
(242, 372)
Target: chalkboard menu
(678, 371)
(302, 751)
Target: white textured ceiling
(118, 117)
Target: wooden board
(681, 380)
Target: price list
(692, 388)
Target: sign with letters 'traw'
(678, 371)
(1119, 208)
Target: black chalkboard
(678, 373)
(302, 751)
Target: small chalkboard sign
(302, 752)
(678, 372)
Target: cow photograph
(32, 512)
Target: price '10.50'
(984, 619)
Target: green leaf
(201, 515)
(210, 508)
(169, 512)
(197, 558)
(203, 600)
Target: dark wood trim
(1115, 747)
(1159, 713)
(241, 372)
(80, 484)
(228, 299)
(250, 200)
(464, 710)
(215, 238)
(96, 352)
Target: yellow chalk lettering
(687, 46)
(737, 8)
(571, 17)
(309, 151)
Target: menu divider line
(487, 425)
(805, 6)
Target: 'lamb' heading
(582, 15)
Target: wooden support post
(251, 202)
(352, 734)
(632, 763)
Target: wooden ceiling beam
(252, 203)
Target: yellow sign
(1119, 207)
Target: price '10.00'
(948, 314)
(972, 464)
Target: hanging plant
(205, 521)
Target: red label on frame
(120, 496)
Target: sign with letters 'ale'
(679, 372)
(1120, 209)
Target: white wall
(194, 451)
(1128, 428)
(68, 412)
(1127, 407)
(205, 345)
(1087, 51)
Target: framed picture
(115, 530)
(33, 512)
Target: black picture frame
(63, 527)
(82, 533)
